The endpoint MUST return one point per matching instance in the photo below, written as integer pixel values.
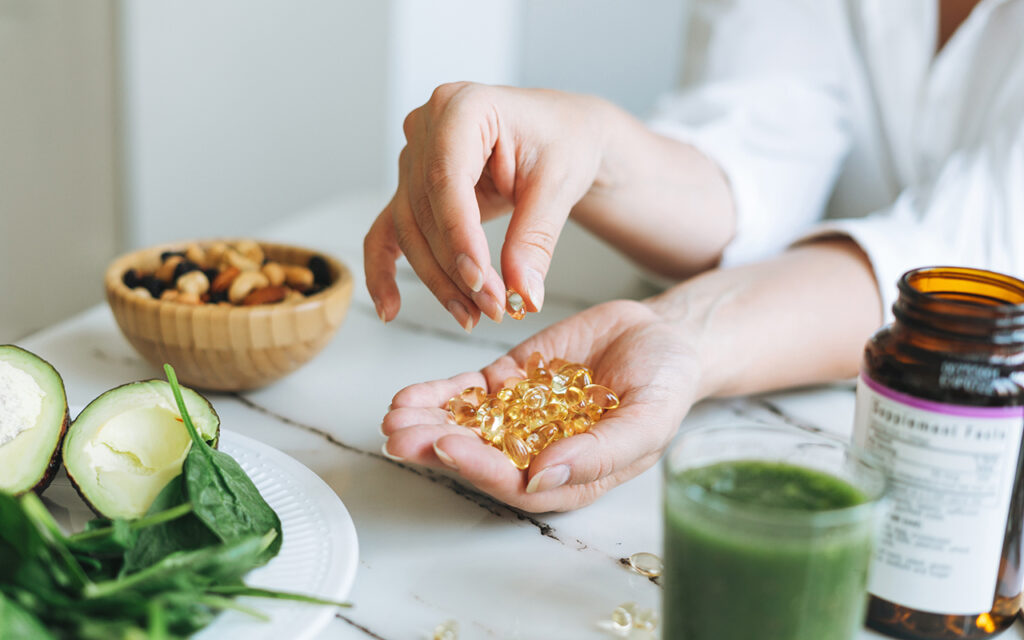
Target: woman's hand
(648, 363)
(473, 152)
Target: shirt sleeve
(970, 215)
(763, 98)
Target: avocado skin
(55, 459)
(74, 483)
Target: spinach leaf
(222, 494)
(183, 533)
(190, 570)
(16, 622)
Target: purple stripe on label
(942, 407)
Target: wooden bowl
(228, 348)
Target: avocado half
(33, 419)
(128, 443)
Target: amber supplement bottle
(940, 402)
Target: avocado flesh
(130, 442)
(33, 419)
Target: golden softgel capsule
(548, 402)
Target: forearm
(659, 201)
(800, 318)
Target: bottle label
(951, 470)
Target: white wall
(627, 52)
(58, 161)
(239, 112)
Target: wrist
(690, 309)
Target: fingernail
(388, 454)
(444, 457)
(380, 312)
(489, 305)
(535, 288)
(381, 429)
(548, 479)
(461, 314)
(470, 273)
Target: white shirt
(837, 116)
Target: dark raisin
(155, 285)
(321, 271)
(184, 267)
(211, 274)
(131, 279)
(315, 289)
(218, 296)
(168, 254)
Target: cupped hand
(474, 152)
(649, 363)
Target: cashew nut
(194, 282)
(244, 284)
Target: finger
(478, 285)
(380, 252)
(422, 260)
(453, 162)
(539, 216)
(615, 444)
(484, 466)
(416, 444)
(437, 392)
(405, 417)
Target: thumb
(611, 447)
(540, 213)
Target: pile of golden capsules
(553, 400)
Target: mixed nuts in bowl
(228, 314)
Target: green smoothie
(756, 550)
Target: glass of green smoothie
(768, 534)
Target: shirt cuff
(893, 246)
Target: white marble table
(430, 548)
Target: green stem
(256, 592)
(44, 524)
(172, 379)
(141, 523)
(216, 602)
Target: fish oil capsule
(559, 383)
(646, 564)
(542, 376)
(574, 398)
(462, 412)
(536, 397)
(535, 442)
(506, 395)
(535, 419)
(555, 410)
(593, 412)
(600, 396)
(581, 378)
(515, 410)
(533, 363)
(491, 405)
(491, 424)
(447, 630)
(515, 304)
(581, 423)
(516, 450)
(474, 396)
(511, 383)
(551, 431)
(518, 427)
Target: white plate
(319, 553)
